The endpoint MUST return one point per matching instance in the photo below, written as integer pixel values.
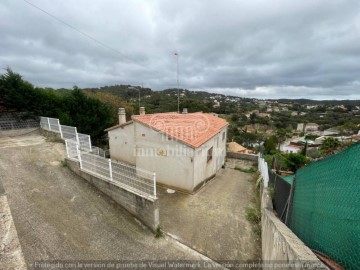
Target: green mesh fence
(326, 207)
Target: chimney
(185, 111)
(142, 110)
(122, 116)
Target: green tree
(15, 92)
(329, 145)
(270, 145)
(280, 136)
(296, 161)
(89, 115)
(304, 149)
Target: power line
(81, 32)
(90, 37)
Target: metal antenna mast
(178, 89)
(142, 86)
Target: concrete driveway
(213, 220)
(59, 216)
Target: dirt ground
(58, 215)
(213, 221)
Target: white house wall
(122, 144)
(205, 169)
(156, 153)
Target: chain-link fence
(13, 121)
(326, 207)
(281, 194)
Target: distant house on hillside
(184, 149)
(290, 148)
(308, 127)
(311, 127)
(331, 131)
(237, 148)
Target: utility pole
(178, 89)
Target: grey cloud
(249, 48)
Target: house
(331, 131)
(237, 148)
(263, 115)
(288, 147)
(184, 149)
(300, 127)
(307, 127)
(276, 109)
(356, 138)
(216, 104)
(311, 127)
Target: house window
(223, 136)
(209, 154)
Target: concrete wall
(279, 243)
(241, 156)
(206, 169)
(172, 161)
(11, 256)
(122, 144)
(145, 210)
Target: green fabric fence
(326, 206)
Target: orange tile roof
(119, 125)
(193, 129)
(235, 147)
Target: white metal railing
(134, 178)
(51, 124)
(68, 132)
(263, 169)
(95, 165)
(92, 160)
(84, 141)
(98, 151)
(72, 149)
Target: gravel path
(213, 221)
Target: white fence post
(154, 178)
(110, 169)
(264, 171)
(61, 134)
(90, 143)
(77, 137)
(67, 149)
(266, 174)
(79, 155)
(48, 120)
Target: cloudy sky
(257, 48)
